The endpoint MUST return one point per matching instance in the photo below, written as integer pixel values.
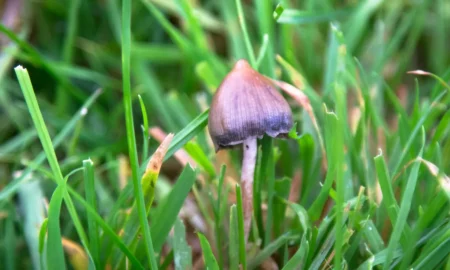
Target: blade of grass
(264, 13)
(240, 221)
(299, 17)
(27, 89)
(248, 45)
(378, 259)
(268, 172)
(299, 259)
(323, 251)
(233, 248)
(269, 250)
(185, 135)
(55, 252)
(405, 207)
(168, 210)
(9, 239)
(356, 24)
(331, 125)
(145, 129)
(197, 33)
(262, 51)
(398, 162)
(389, 202)
(218, 214)
(208, 256)
(195, 151)
(338, 160)
(89, 186)
(138, 194)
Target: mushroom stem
(248, 169)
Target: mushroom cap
(247, 105)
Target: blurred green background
(321, 198)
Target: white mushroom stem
(248, 170)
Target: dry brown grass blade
(124, 171)
(180, 155)
(76, 254)
(443, 179)
(155, 163)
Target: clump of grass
(360, 183)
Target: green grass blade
(379, 258)
(299, 259)
(324, 250)
(138, 194)
(240, 221)
(145, 129)
(196, 152)
(218, 215)
(166, 214)
(55, 252)
(299, 17)
(187, 133)
(89, 185)
(268, 173)
(208, 256)
(424, 115)
(338, 159)
(269, 250)
(38, 119)
(405, 207)
(389, 202)
(233, 248)
(248, 44)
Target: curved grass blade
(55, 252)
(298, 261)
(208, 256)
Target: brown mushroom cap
(247, 105)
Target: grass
(361, 182)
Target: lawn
(106, 158)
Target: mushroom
(244, 108)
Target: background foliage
(365, 188)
